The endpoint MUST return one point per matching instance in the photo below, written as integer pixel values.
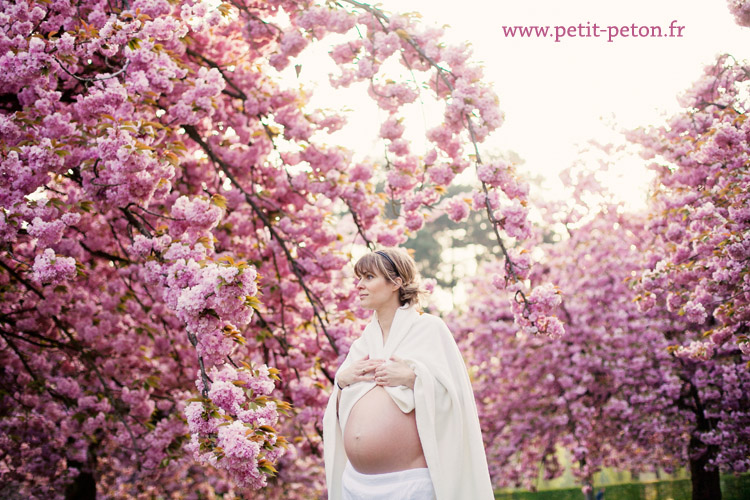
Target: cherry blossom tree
(698, 265)
(622, 388)
(653, 368)
(698, 260)
(175, 231)
(599, 392)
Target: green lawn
(732, 487)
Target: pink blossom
(741, 11)
(226, 395)
(392, 128)
(48, 233)
(674, 232)
(386, 44)
(441, 174)
(696, 350)
(346, 52)
(744, 347)
(457, 209)
(546, 296)
(414, 221)
(198, 214)
(695, 312)
(366, 68)
(400, 180)
(51, 269)
(514, 220)
(198, 420)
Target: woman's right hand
(362, 370)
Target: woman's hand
(395, 373)
(362, 370)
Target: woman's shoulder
(432, 331)
(431, 323)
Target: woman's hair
(393, 263)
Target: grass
(732, 487)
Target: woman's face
(375, 291)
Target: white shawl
(446, 412)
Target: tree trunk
(706, 483)
(588, 490)
(83, 488)
(588, 482)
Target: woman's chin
(365, 304)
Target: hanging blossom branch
(444, 75)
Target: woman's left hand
(394, 373)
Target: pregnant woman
(401, 423)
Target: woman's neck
(385, 318)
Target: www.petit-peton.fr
(594, 30)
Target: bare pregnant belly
(380, 438)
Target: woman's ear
(397, 283)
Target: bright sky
(557, 96)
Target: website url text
(594, 30)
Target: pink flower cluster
(536, 313)
(741, 11)
(457, 209)
(696, 350)
(210, 298)
(514, 219)
(500, 174)
(196, 101)
(51, 269)
(50, 233)
(234, 429)
(195, 216)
